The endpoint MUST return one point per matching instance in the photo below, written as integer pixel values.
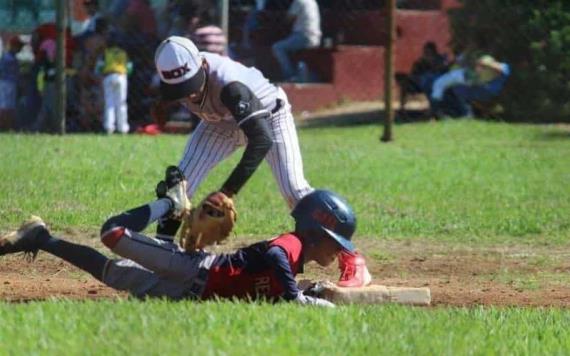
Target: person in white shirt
(306, 33)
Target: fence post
(389, 70)
(61, 25)
(225, 19)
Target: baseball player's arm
(277, 258)
(252, 119)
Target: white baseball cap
(179, 65)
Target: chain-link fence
(339, 61)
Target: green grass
(158, 327)
(452, 181)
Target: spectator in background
(117, 9)
(114, 67)
(9, 79)
(141, 12)
(306, 33)
(93, 14)
(47, 120)
(176, 17)
(251, 24)
(90, 98)
(454, 92)
(140, 50)
(425, 71)
(208, 37)
(428, 67)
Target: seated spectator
(306, 33)
(9, 79)
(425, 71)
(454, 92)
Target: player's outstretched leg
(121, 234)
(139, 218)
(33, 236)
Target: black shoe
(25, 239)
(172, 177)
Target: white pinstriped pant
(211, 143)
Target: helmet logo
(176, 72)
(324, 219)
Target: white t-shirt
(307, 18)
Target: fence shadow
(357, 118)
(555, 135)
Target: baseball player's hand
(218, 199)
(211, 222)
(307, 300)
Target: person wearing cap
(9, 78)
(454, 92)
(237, 106)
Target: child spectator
(9, 78)
(114, 67)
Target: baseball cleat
(180, 202)
(173, 176)
(25, 239)
(174, 187)
(353, 270)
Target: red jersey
(263, 270)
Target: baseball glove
(209, 223)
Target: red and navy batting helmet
(326, 211)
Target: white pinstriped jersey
(218, 134)
(221, 72)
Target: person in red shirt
(150, 267)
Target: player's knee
(111, 232)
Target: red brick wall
(416, 28)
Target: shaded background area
(345, 70)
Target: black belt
(277, 107)
(198, 285)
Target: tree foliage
(534, 38)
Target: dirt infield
(457, 275)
